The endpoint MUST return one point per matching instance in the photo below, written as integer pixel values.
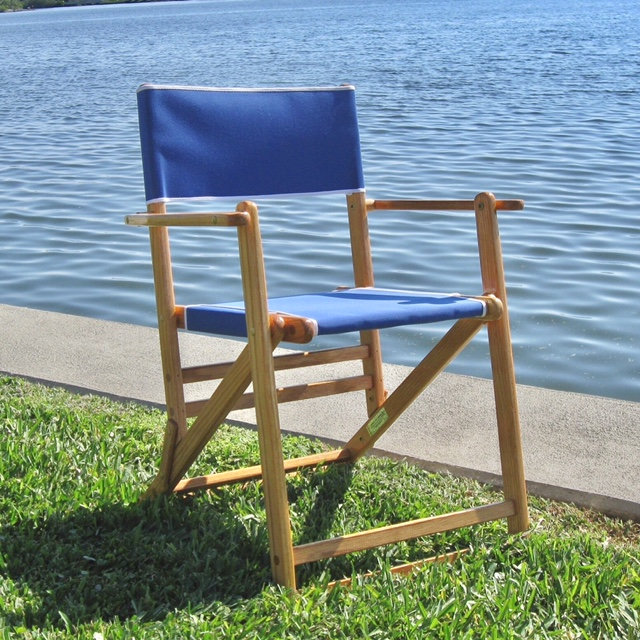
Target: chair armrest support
(233, 219)
(438, 205)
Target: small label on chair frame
(377, 422)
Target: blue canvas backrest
(205, 143)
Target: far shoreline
(15, 6)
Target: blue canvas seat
(341, 311)
(248, 144)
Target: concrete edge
(85, 391)
(607, 505)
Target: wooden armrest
(439, 205)
(233, 219)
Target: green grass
(81, 558)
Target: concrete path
(578, 448)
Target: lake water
(539, 100)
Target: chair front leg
(504, 381)
(259, 334)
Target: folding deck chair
(246, 144)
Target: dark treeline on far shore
(19, 5)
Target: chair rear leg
(372, 366)
(363, 277)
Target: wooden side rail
(438, 205)
(342, 545)
(202, 373)
(231, 219)
(255, 473)
(297, 392)
(405, 569)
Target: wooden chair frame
(257, 365)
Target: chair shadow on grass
(328, 487)
(152, 558)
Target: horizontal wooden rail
(342, 545)
(231, 219)
(297, 392)
(439, 205)
(406, 569)
(321, 357)
(253, 473)
(203, 373)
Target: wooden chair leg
(167, 322)
(274, 482)
(169, 349)
(264, 387)
(179, 455)
(363, 277)
(511, 456)
(504, 382)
